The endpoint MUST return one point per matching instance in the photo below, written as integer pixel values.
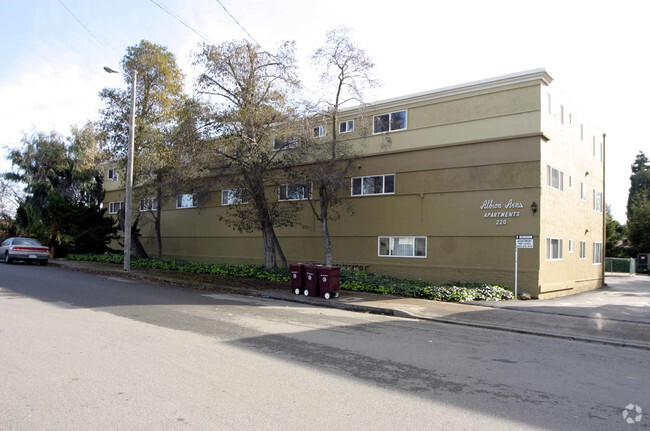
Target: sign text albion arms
(505, 211)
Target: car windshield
(26, 241)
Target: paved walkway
(616, 315)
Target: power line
(179, 19)
(240, 26)
(86, 28)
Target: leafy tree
(346, 75)
(638, 209)
(63, 190)
(249, 92)
(164, 138)
(638, 222)
(614, 234)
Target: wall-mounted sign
(506, 210)
(524, 241)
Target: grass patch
(350, 280)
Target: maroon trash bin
(311, 280)
(297, 271)
(329, 281)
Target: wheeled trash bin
(297, 271)
(311, 280)
(329, 281)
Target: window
(598, 253)
(582, 132)
(115, 207)
(288, 192)
(554, 249)
(373, 185)
(562, 114)
(402, 246)
(555, 178)
(234, 197)
(571, 182)
(598, 201)
(548, 100)
(186, 201)
(285, 144)
(346, 126)
(389, 122)
(320, 131)
(148, 204)
(112, 174)
(583, 191)
(583, 249)
(570, 246)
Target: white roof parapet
(484, 84)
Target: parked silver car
(25, 249)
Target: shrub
(349, 280)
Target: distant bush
(350, 280)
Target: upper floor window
(554, 178)
(289, 192)
(320, 131)
(583, 249)
(373, 185)
(285, 144)
(402, 246)
(115, 207)
(234, 197)
(148, 204)
(389, 122)
(112, 174)
(186, 201)
(346, 126)
(598, 201)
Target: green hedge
(350, 280)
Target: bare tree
(250, 93)
(346, 75)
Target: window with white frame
(291, 192)
(234, 197)
(186, 201)
(598, 253)
(112, 174)
(583, 191)
(570, 246)
(402, 246)
(583, 249)
(148, 204)
(373, 185)
(115, 207)
(346, 126)
(554, 178)
(285, 144)
(389, 122)
(319, 131)
(554, 248)
(571, 182)
(598, 201)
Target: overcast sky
(596, 51)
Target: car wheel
(7, 258)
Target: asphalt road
(81, 351)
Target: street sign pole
(522, 241)
(516, 265)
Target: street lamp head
(109, 70)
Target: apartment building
(468, 168)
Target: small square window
(112, 174)
(320, 131)
(346, 126)
(186, 201)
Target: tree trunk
(157, 223)
(269, 244)
(136, 246)
(278, 248)
(327, 244)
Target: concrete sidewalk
(613, 324)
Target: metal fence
(614, 264)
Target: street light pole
(129, 174)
